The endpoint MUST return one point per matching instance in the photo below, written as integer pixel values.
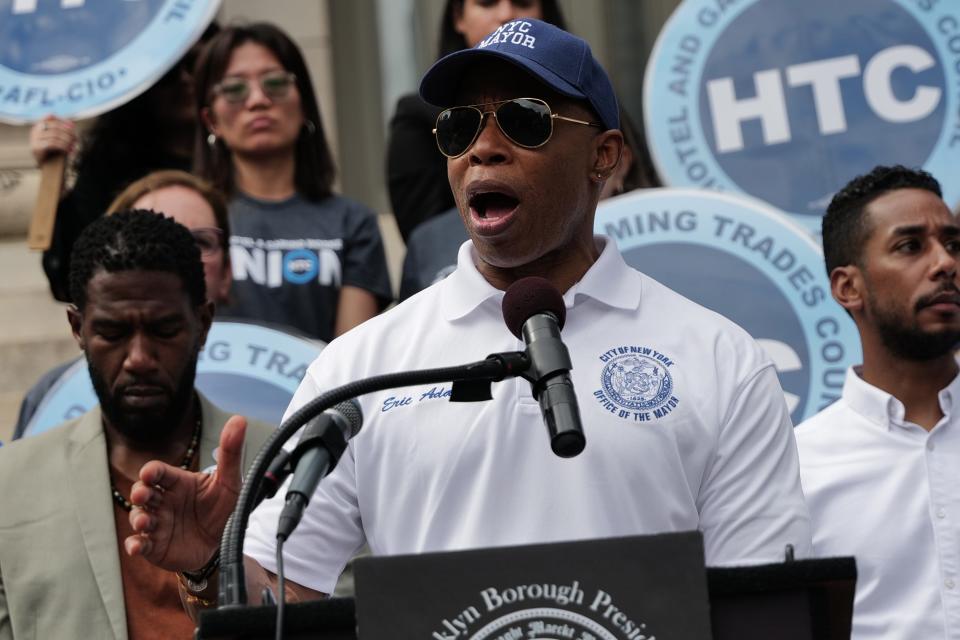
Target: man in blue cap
(685, 420)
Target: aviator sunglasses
(274, 84)
(526, 122)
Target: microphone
(534, 312)
(320, 447)
(275, 475)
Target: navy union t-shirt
(291, 257)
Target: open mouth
(493, 205)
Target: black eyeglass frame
(496, 107)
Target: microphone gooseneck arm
(232, 579)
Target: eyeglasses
(526, 122)
(274, 84)
(208, 239)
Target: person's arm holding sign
(51, 140)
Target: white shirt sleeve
(750, 502)
(329, 533)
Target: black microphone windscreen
(527, 297)
(350, 409)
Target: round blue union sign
(787, 101)
(746, 261)
(79, 58)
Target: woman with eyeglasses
(302, 256)
(153, 131)
(195, 204)
(416, 171)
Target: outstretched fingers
(158, 474)
(145, 495)
(138, 545)
(143, 523)
(229, 473)
(178, 515)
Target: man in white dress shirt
(881, 466)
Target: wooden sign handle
(48, 197)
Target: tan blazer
(59, 569)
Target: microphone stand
(471, 382)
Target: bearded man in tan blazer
(141, 316)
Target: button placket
(941, 476)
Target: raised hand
(179, 515)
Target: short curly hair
(136, 240)
(845, 228)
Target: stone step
(21, 267)
(31, 316)
(34, 334)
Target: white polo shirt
(685, 422)
(888, 492)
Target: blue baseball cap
(558, 59)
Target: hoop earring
(310, 127)
(211, 139)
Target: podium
(333, 619)
(793, 600)
(799, 600)
(810, 600)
